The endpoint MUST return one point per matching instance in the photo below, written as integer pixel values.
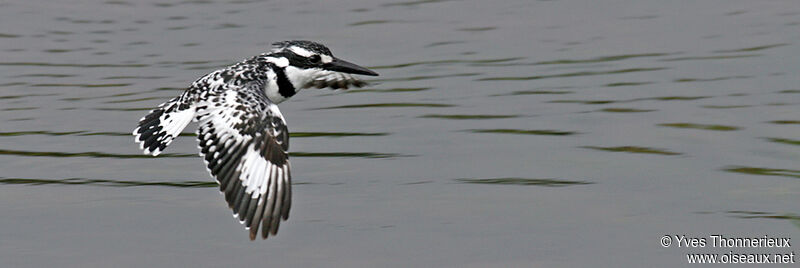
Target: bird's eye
(315, 58)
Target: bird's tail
(157, 129)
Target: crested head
(302, 46)
(311, 64)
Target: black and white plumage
(242, 134)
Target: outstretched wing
(243, 140)
(163, 124)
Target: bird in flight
(242, 135)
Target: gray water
(499, 134)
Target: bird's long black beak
(344, 66)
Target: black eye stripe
(300, 61)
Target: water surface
(499, 134)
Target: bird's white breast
(271, 88)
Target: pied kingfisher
(242, 134)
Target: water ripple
(712, 57)
(545, 132)
(370, 22)
(725, 106)
(584, 73)
(662, 98)
(106, 182)
(750, 49)
(47, 75)
(102, 96)
(387, 105)
(479, 62)
(603, 59)
(785, 122)
(177, 155)
(784, 141)
(684, 80)
(469, 116)
(19, 108)
(86, 154)
(549, 182)
(72, 65)
(389, 90)
(117, 183)
(700, 126)
(425, 77)
(443, 43)
(82, 85)
(533, 92)
(477, 29)
(334, 134)
(632, 149)
(123, 109)
(627, 84)
(791, 173)
(134, 100)
(299, 134)
(625, 110)
(347, 154)
(746, 214)
(133, 77)
(586, 102)
(412, 3)
(10, 97)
